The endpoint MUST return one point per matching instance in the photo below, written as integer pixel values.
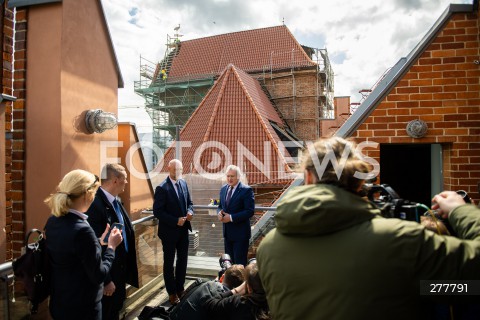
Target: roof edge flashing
(25, 3)
(372, 101)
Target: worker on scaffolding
(164, 74)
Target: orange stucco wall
(71, 69)
(138, 194)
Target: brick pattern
(443, 89)
(7, 58)
(18, 128)
(294, 94)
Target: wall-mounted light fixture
(417, 128)
(97, 120)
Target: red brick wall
(7, 59)
(18, 126)
(295, 95)
(443, 89)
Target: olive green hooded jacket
(332, 256)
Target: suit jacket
(167, 208)
(78, 270)
(241, 207)
(99, 214)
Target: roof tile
(252, 50)
(233, 121)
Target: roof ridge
(212, 119)
(236, 32)
(255, 109)
(197, 109)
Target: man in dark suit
(173, 208)
(107, 208)
(237, 205)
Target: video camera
(390, 203)
(225, 263)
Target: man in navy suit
(173, 208)
(237, 204)
(107, 208)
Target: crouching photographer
(191, 305)
(244, 302)
(333, 256)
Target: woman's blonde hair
(73, 185)
(325, 149)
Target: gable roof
(233, 119)
(251, 51)
(397, 72)
(25, 3)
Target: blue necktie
(181, 197)
(120, 219)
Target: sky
(363, 38)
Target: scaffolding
(169, 101)
(282, 83)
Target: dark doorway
(407, 169)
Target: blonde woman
(78, 267)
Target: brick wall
(18, 126)
(295, 95)
(443, 89)
(7, 58)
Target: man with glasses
(108, 209)
(173, 208)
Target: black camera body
(225, 263)
(390, 203)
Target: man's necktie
(181, 197)
(118, 211)
(229, 196)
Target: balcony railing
(149, 257)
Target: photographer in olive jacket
(332, 256)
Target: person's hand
(445, 202)
(226, 218)
(181, 221)
(241, 289)
(104, 234)
(109, 289)
(220, 215)
(115, 238)
(189, 216)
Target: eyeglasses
(94, 183)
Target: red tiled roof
(251, 50)
(234, 116)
